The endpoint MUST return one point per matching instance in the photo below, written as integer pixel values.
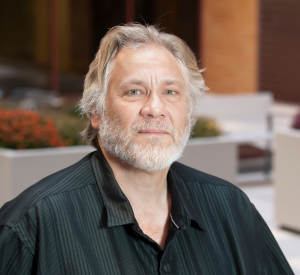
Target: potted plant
(34, 145)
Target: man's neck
(148, 195)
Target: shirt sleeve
(275, 262)
(15, 258)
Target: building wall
(178, 17)
(74, 36)
(16, 31)
(41, 33)
(229, 49)
(279, 49)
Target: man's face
(146, 123)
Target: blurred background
(248, 128)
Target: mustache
(144, 125)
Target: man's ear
(95, 121)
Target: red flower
(26, 129)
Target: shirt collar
(182, 211)
(119, 210)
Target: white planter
(287, 178)
(21, 168)
(216, 156)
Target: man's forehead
(145, 50)
(149, 65)
(148, 55)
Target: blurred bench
(246, 119)
(240, 113)
(287, 180)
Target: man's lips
(153, 131)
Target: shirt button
(165, 267)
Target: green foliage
(73, 110)
(69, 126)
(206, 127)
(70, 130)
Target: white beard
(154, 155)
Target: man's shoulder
(73, 177)
(191, 175)
(199, 184)
(206, 192)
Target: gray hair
(134, 36)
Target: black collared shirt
(78, 221)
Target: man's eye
(134, 92)
(170, 92)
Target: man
(129, 208)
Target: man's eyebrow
(168, 82)
(132, 81)
(172, 82)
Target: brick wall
(229, 46)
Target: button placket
(166, 267)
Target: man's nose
(154, 106)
